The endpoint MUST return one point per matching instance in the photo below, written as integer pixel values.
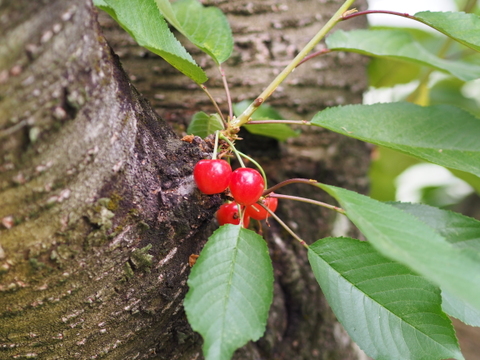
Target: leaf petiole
(291, 122)
(204, 88)
(310, 201)
(288, 182)
(227, 92)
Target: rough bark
(97, 203)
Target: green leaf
(460, 309)
(389, 311)
(404, 238)
(100, 3)
(231, 289)
(281, 132)
(203, 124)
(385, 72)
(449, 92)
(461, 231)
(205, 27)
(460, 26)
(442, 134)
(142, 20)
(384, 169)
(400, 45)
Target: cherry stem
(292, 122)
(285, 226)
(227, 91)
(240, 214)
(257, 165)
(204, 88)
(315, 54)
(288, 182)
(215, 147)
(310, 201)
(237, 154)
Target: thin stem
(245, 116)
(257, 165)
(215, 147)
(292, 122)
(204, 88)
(241, 215)
(315, 54)
(237, 154)
(310, 201)
(366, 12)
(285, 226)
(288, 182)
(227, 91)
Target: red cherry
(246, 185)
(228, 214)
(212, 176)
(257, 212)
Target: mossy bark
(98, 210)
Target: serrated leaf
(460, 26)
(231, 289)
(399, 45)
(404, 238)
(389, 311)
(281, 132)
(442, 134)
(203, 124)
(142, 20)
(463, 232)
(206, 27)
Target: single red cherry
(257, 212)
(212, 176)
(228, 214)
(246, 185)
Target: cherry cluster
(246, 186)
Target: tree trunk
(98, 209)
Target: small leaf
(442, 134)
(142, 20)
(206, 27)
(400, 45)
(389, 311)
(404, 238)
(281, 132)
(203, 124)
(460, 26)
(231, 289)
